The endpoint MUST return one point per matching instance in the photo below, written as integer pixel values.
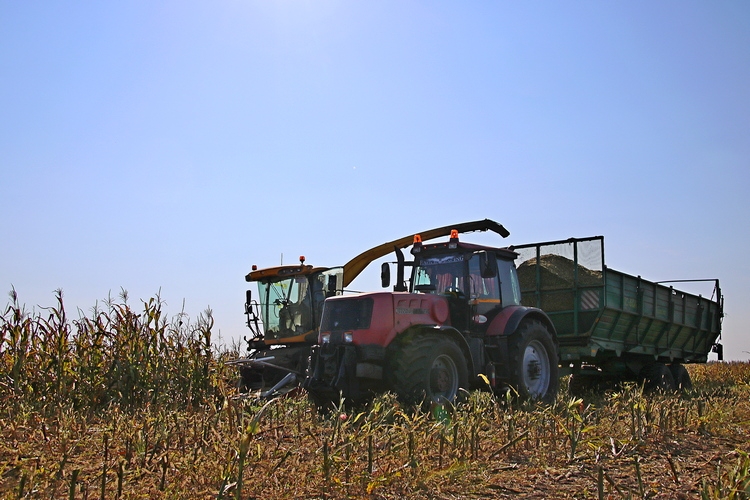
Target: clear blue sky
(171, 145)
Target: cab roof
(462, 247)
(283, 272)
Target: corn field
(129, 403)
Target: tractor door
(446, 275)
(484, 297)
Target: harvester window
(286, 307)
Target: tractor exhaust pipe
(399, 286)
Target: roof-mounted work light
(453, 242)
(417, 245)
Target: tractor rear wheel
(533, 362)
(428, 368)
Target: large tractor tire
(428, 368)
(657, 377)
(533, 363)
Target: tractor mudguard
(507, 321)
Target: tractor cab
(477, 281)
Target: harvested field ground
(621, 445)
(125, 404)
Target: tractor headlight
(325, 338)
(348, 337)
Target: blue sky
(168, 146)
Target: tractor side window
(509, 282)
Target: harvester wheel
(657, 377)
(681, 377)
(533, 362)
(428, 368)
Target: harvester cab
(290, 303)
(283, 323)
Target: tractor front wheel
(428, 368)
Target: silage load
(557, 282)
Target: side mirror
(385, 275)
(248, 304)
(487, 265)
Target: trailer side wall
(601, 314)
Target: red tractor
(459, 318)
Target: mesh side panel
(556, 266)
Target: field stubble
(125, 404)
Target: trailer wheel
(657, 377)
(428, 368)
(533, 363)
(682, 382)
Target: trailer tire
(533, 362)
(428, 368)
(682, 382)
(657, 377)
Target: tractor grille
(346, 314)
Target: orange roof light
(417, 246)
(255, 268)
(453, 242)
(301, 259)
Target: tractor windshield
(440, 274)
(286, 307)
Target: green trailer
(613, 326)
